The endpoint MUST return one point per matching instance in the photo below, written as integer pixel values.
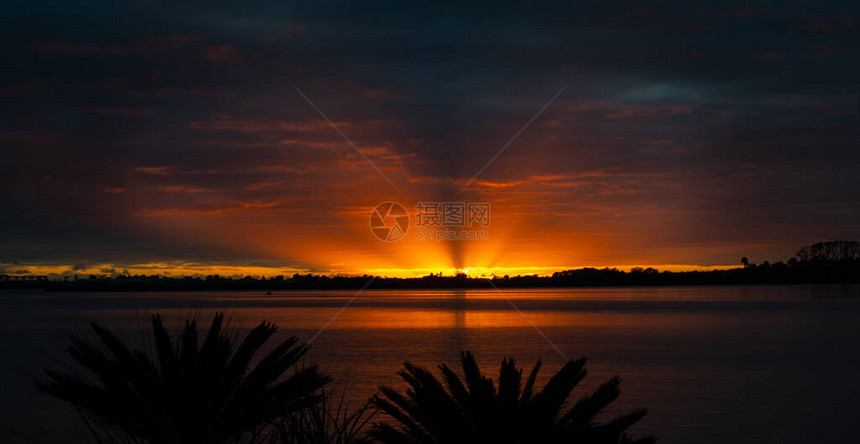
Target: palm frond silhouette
(330, 421)
(473, 409)
(184, 392)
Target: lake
(744, 364)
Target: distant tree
(745, 261)
(183, 392)
(779, 266)
(474, 410)
(832, 251)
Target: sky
(188, 138)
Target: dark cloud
(739, 119)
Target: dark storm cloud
(739, 111)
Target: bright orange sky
(168, 145)
(308, 210)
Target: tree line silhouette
(824, 262)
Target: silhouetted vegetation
(821, 263)
(475, 409)
(23, 282)
(833, 252)
(330, 421)
(184, 392)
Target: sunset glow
(280, 222)
(237, 151)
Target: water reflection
(774, 363)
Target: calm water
(712, 364)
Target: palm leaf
(472, 408)
(183, 391)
